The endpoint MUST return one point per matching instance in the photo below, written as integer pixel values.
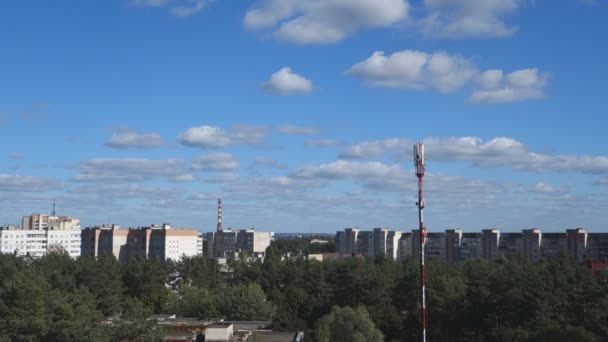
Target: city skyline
(139, 112)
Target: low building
(221, 331)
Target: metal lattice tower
(53, 213)
(419, 163)
(219, 215)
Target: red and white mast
(419, 163)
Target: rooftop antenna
(219, 215)
(53, 214)
(419, 163)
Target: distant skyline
(301, 114)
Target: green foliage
(244, 302)
(347, 325)
(56, 298)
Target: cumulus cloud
(21, 183)
(223, 178)
(215, 162)
(322, 22)
(372, 149)
(127, 169)
(286, 82)
(545, 189)
(321, 143)
(379, 176)
(410, 69)
(216, 137)
(125, 191)
(497, 152)
(267, 162)
(417, 70)
(468, 18)
(520, 85)
(298, 130)
(126, 139)
(179, 8)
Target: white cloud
(286, 82)
(298, 130)
(520, 85)
(467, 18)
(21, 183)
(184, 178)
(267, 162)
(497, 152)
(126, 139)
(216, 137)
(417, 70)
(323, 22)
(321, 143)
(179, 8)
(546, 189)
(410, 69)
(215, 162)
(223, 178)
(373, 149)
(127, 169)
(193, 7)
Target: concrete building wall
(43, 221)
(155, 242)
(37, 243)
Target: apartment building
(160, 242)
(379, 242)
(39, 242)
(227, 242)
(455, 246)
(50, 222)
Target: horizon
(302, 119)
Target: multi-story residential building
(39, 242)
(160, 242)
(227, 242)
(490, 240)
(50, 222)
(597, 246)
(455, 246)
(551, 244)
(365, 244)
(531, 244)
(435, 246)
(462, 246)
(405, 246)
(393, 245)
(379, 240)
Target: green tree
(102, 277)
(347, 325)
(244, 303)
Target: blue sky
(301, 114)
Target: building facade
(160, 242)
(228, 243)
(39, 242)
(50, 222)
(455, 246)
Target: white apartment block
(37, 243)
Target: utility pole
(419, 163)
